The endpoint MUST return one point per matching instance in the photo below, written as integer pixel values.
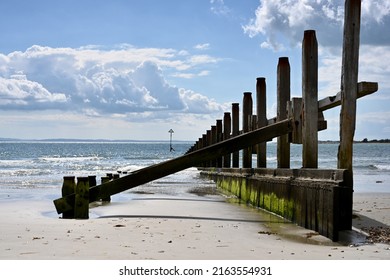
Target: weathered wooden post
(261, 107)
(81, 209)
(349, 78)
(227, 127)
(213, 141)
(209, 142)
(105, 180)
(219, 139)
(247, 111)
(92, 180)
(236, 131)
(204, 144)
(310, 100)
(68, 187)
(349, 89)
(283, 96)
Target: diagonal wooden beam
(163, 169)
(364, 88)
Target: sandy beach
(171, 228)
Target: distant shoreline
(70, 140)
(61, 140)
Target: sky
(134, 69)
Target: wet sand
(172, 228)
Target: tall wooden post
(209, 142)
(349, 78)
(247, 111)
(236, 131)
(81, 208)
(213, 141)
(219, 139)
(68, 187)
(310, 100)
(103, 181)
(261, 108)
(349, 89)
(283, 95)
(227, 129)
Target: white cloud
(95, 81)
(205, 46)
(18, 92)
(219, 7)
(278, 21)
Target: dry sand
(169, 228)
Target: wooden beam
(195, 158)
(363, 89)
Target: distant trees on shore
(365, 140)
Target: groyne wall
(312, 198)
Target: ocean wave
(68, 159)
(381, 166)
(7, 163)
(373, 167)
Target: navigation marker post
(170, 140)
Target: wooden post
(349, 90)
(253, 126)
(209, 142)
(236, 131)
(283, 96)
(204, 144)
(310, 100)
(81, 208)
(227, 128)
(261, 107)
(219, 139)
(247, 111)
(213, 141)
(92, 181)
(103, 181)
(68, 187)
(295, 113)
(349, 77)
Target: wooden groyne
(313, 198)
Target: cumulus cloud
(205, 46)
(95, 81)
(219, 7)
(281, 22)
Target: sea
(35, 169)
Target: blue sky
(132, 69)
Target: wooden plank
(363, 89)
(310, 99)
(163, 169)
